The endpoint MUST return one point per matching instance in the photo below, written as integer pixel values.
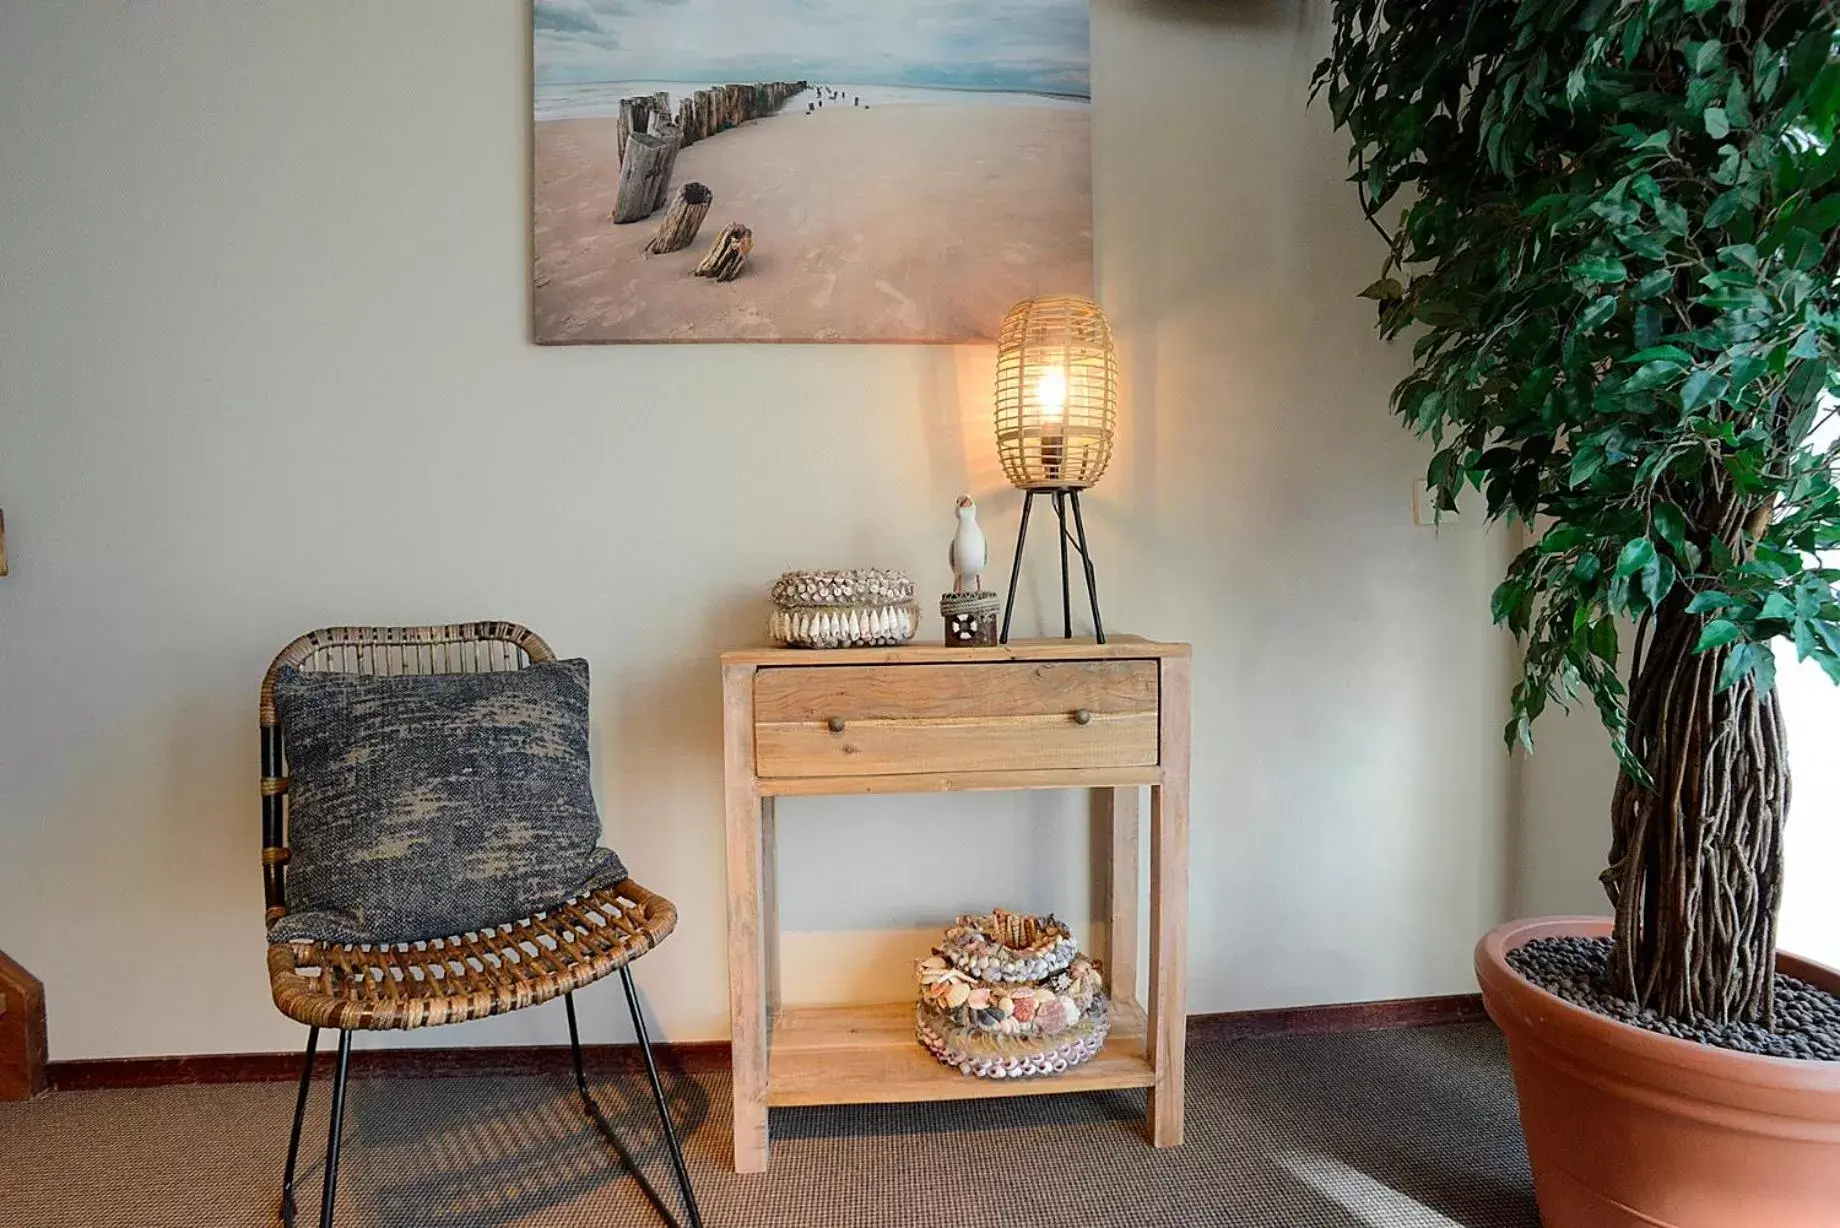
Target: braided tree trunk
(1696, 862)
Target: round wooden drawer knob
(835, 724)
(1083, 717)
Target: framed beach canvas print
(806, 170)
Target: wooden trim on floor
(22, 1032)
(694, 1057)
(1340, 1017)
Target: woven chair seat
(470, 976)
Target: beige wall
(263, 367)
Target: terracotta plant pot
(1630, 1129)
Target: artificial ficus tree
(1613, 232)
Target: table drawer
(875, 720)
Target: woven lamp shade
(1057, 393)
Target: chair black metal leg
(606, 1128)
(1092, 583)
(1015, 568)
(664, 1111)
(331, 1189)
(300, 1116)
(581, 1072)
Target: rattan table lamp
(1057, 407)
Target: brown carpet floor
(1414, 1129)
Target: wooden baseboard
(1340, 1017)
(22, 1032)
(694, 1057)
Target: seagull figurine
(969, 551)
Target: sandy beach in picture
(897, 223)
(907, 171)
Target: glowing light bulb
(1051, 394)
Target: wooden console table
(1043, 714)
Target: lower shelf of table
(868, 1055)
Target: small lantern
(970, 618)
(1057, 409)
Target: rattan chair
(447, 980)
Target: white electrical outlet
(1424, 507)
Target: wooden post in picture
(727, 254)
(645, 174)
(685, 218)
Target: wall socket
(1424, 508)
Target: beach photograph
(806, 170)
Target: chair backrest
(457, 648)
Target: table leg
(746, 934)
(1123, 811)
(769, 909)
(1167, 1023)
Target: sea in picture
(922, 165)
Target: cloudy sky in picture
(1036, 45)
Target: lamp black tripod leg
(1060, 515)
(1092, 583)
(664, 1116)
(1015, 568)
(300, 1116)
(1062, 499)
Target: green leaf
(1824, 171)
(1648, 326)
(1660, 353)
(1810, 55)
(1820, 216)
(1725, 206)
(1765, 667)
(1563, 537)
(1510, 605)
(1585, 464)
(1652, 375)
(1737, 666)
(1600, 269)
(1385, 290)
(1601, 309)
(1703, 387)
(1718, 633)
(1710, 600)
(1604, 642)
(1657, 579)
(1653, 285)
(1718, 127)
(1670, 525)
(1638, 554)
(1824, 95)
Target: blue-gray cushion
(425, 806)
